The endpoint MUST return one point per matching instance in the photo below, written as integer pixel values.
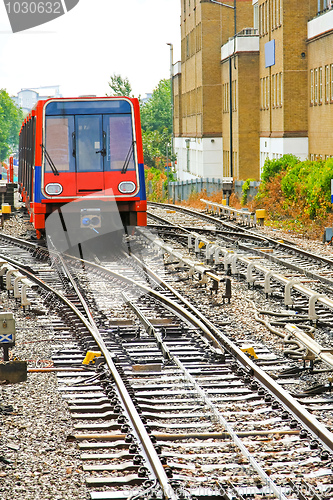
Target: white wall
(321, 24)
(204, 154)
(273, 148)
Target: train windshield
(119, 142)
(90, 143)
(59, 131)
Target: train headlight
(127, 187)
(53, 189)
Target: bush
(273, 167)
(159, 183)
(297, 191)
(245, 190)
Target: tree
(120, 86)
(156, 114)
(11, 118)
(156, 122)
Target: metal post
(172, 104)
(230, 76)
(167, 169)
(230, 116)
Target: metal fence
(182, 190)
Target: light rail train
(83, 149)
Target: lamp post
(172, 105)
(230, 79)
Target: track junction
(212, 377)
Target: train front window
(58, 139)
(119, 142)
(89, 143)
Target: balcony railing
(247, 32)
(324, 6)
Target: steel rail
(221, 341)
(270, 257)
(288, 246)
(324, 353)
(145, 440)
(268, 274)
(216, 415)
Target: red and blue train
(74, 149)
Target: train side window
(119, 142)
(58, 143)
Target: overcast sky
(81, 49)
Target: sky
(82, 48)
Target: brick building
(263, 92)
(320, 84)
(205, 27)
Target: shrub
(245, 190)
(297, 192)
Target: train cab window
(58, 141)
(119, 142)
(89, 143)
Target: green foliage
(11, 119)
(156, 122)
(157, 183)
(154, 147)
(276, 166)
(156, 113)
(300, 190)
(119, 86)
(245, 190)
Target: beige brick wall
(204, 28)
(285, 21)
(320, 55)
(245, 116)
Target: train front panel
(88, 149)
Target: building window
(274, 89)
(266, 91)
(234, 95)
(327, 84)
(280, 11)
(281, 90)
(226, 98)
(235, 164)
(320, 85)
(256, 17)
(226, 168)
(315, 100)
(311, 86)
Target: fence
(181, 190)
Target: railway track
(304, 290)
(173, 408)
(314, 266)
